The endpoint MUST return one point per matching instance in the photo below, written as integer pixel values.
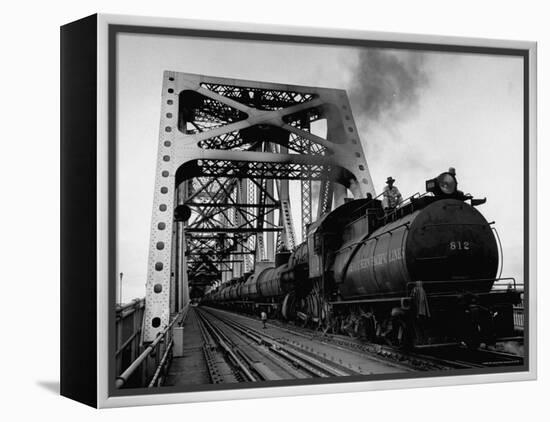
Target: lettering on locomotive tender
(397, 254)
(376, 260)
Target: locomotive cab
(327, 234)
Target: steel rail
(295, 364)
(209, 345)
(308, 363)
(219, 338)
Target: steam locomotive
(420, 273)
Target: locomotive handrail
(366, 205)
(500, 250)
(515, 284)
(400, 205)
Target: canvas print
(300, 213)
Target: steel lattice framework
(227, 150)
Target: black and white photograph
(303, 212)
(275, 211)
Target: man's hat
(390, 180)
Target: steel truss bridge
(227, 152)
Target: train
(423, 272)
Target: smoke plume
(388, 83)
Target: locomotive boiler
(446, 241)
(422, 272)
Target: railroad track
(426, 358)
(214, 353)
(382, 353)
(256, 356)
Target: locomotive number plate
(459, 245)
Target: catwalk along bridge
(264, 207)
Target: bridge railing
(519, 317)
(147, 368)
(129, 318)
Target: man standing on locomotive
(392, 196)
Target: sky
(417, 113)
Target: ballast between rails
(309, 365)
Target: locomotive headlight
(444, 184)
(447, 183)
